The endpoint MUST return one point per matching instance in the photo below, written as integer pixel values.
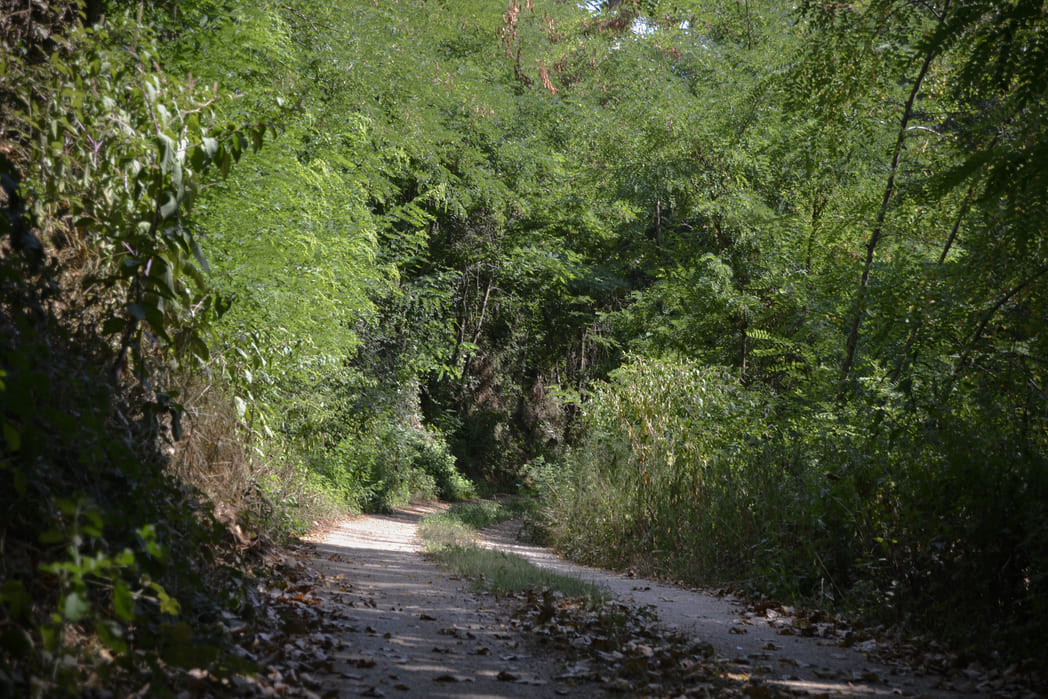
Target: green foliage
(899, 517)
(100, 274)
(280, 231)
(123, 150)
(385, 466)
(480, 514)
(715, 184)
(663, 468)
(83, 535)
(101, 540)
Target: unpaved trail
(412, 630)
(762, 643)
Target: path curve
(412, 630)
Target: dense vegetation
(743, 292)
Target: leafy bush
(664, 466)
(414, 464)
(109, 560)
(900, 514)
(922, 517)
(383, 465)
(112, 552)
(433, 458)
(480, 514)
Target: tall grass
(907, 514)
(663, 478)
(450, 539)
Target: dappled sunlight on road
(411, 631)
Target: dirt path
(771, 643)
(409, 629)
(413, 631)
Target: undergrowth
(450, 539)
(915, 519)
(136, 503)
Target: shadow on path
(749, 642)
(409, 630)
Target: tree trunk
(862, 295)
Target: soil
(415, 631)
(409, 629)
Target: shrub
(664, 465)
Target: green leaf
(176, 424)
(225, 161)
(193, 273)
(12, 436)
(68, 506)
(74, 607)
(170, 206)
(163, 278)
(147, 533)
(123, 601)
(166, 154)
(112, 635)
(51, 635)
(209, 147)
(168, 604)
(155, 317)
(199, 254)
(93, 519)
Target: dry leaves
(903, 655)
(624, 649)
(297, 628)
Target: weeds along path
(405, 628)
